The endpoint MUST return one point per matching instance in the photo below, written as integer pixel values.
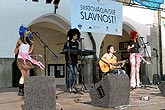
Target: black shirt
(135, 49)
(73, 56)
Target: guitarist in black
(108, 62)
(71, 58)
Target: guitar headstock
(127, 61)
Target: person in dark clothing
(71, 58)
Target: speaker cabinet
(111, 91)
(156, 79)
(162, 88)
(40, 93)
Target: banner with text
(100, 16)
(151, 4)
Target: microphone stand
(156, 78)
(45, 46)
(145, 50)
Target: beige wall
(6, 72)
(113, 40)
(55, 41)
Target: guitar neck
(119, 62)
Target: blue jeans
(117, 71)
(70, 75)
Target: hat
(24, 30)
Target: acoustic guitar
(105, 67)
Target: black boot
(21, 90)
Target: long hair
(72, 32)
(133, 35)
(108, 47)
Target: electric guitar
(105, 67)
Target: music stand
(145, 79)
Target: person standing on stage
(23, 50)
(135, 59)
(24, 45)
(71, 58)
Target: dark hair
(72, 32)
(108, 47)
(27, 40)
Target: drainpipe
(160, 44)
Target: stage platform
(9, 100)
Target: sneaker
(20, 94)
(132, 88)
(138, 86)
(69, 90)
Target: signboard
(152, 4)
(100, 16)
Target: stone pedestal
(40, 93)
(111, 91)
(162, 88)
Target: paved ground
(9, 100)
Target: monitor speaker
(162, 88)
(111, 91)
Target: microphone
(80, 39)
(145, 43)
(155, 49)
(141, 37)
(34, 32)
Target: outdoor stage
(9, 100)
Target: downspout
(160, 44)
